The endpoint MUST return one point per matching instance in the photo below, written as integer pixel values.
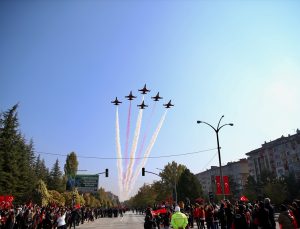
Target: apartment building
(281, 157)
(236, 171)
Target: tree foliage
(189, 186)
(71, 165)
(56, 178)
(16, 158)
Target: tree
(16, 159)
(42, 196)
(171, 174)
(9, 150)
(145, 197)
(293, 187)
(233, 187)
(56, 198)
(189, 186)
(56, 179)
(41, 170)
(251, 188)
(266, 177)
(71, 168)
(276, 191)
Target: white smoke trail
(133, 148)
(119, 153)
(147, 152)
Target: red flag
(159, 211)
(219, 187)
(226, 185)
(77, 206)
(244, 199)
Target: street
(129, 221)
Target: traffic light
(106, 172)
(143, 172)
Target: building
(237, 172)
(281, 157)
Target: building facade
(236, 171)
(281, 157)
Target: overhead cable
(122, 158)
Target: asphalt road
(128, 221)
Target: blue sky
(64, 61)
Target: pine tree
(56, 179)
(9, 151)
(16, 158)
(41, 171)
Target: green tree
(251, 188)
(235, 192)
(189, 186)
(71, 167)
(56, 179)
(170, 175)
(16, 159)
(145, 197)
(9, 151)
(276, 191)
(266, 177)
(42, 197)
(41, 170)
(293, 187)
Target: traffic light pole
(175, 188)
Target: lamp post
(219, 154)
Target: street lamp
(219, 154)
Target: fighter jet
(157, 97)
(144, 90)
(168, 105)
(116, 102)
(130, 96)
(142, 105)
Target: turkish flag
(244, 199)
(9, 198)
(159, 211)
(219, 187)
(226, 185)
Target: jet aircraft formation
(130, 167)
(143, 91)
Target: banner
(226, 185)
(218, 186)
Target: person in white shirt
(61, 223)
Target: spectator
(285, 220)
(268, 206)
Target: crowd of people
(51, 217)
(240, 215)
